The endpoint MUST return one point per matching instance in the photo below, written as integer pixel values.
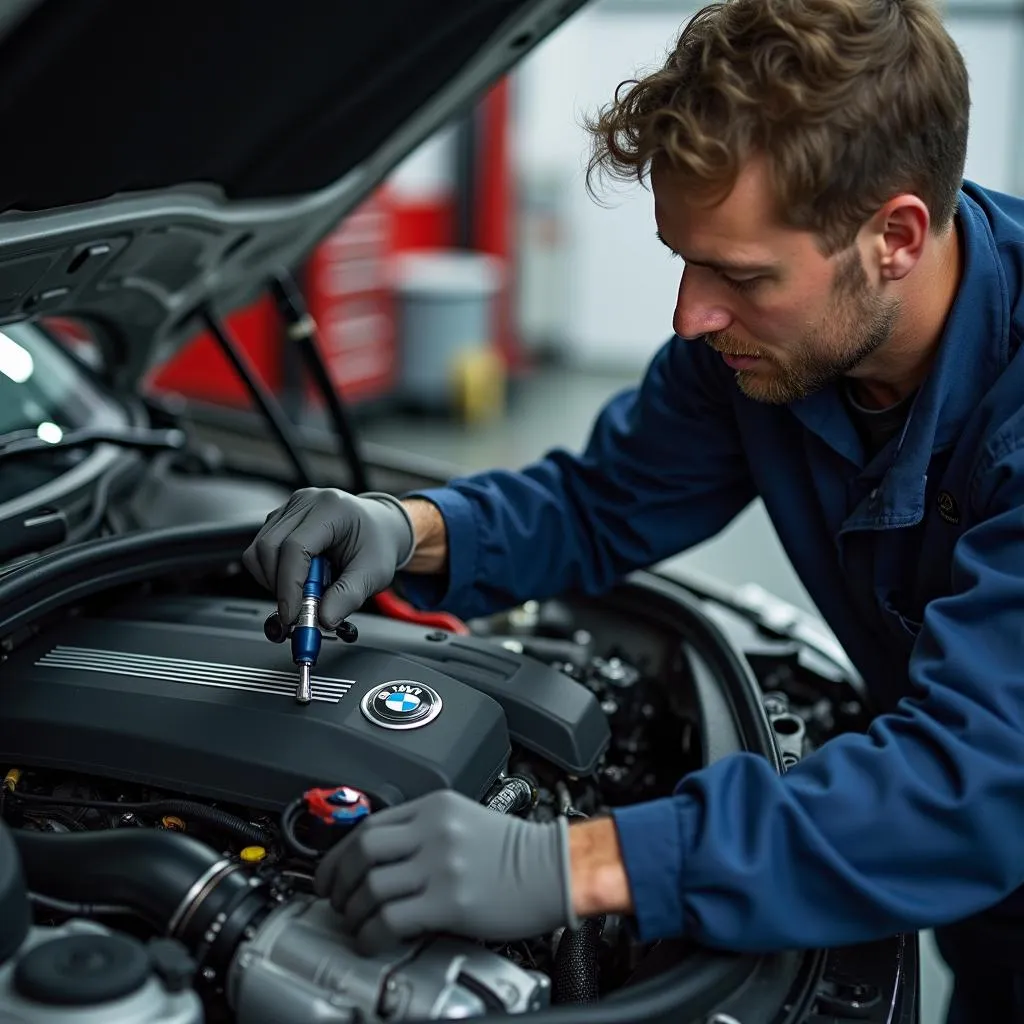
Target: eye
(742, 284)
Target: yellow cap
(175, 824)
(253, 854)
(12, 779)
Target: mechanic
(846, 348)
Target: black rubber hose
(151, 872)
(513, 796)
(252, 834)
(289, 818)
(241, 829)
(178, 885)
(100, 502)
(576, 965)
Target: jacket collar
(973, 351)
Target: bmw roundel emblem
(401, 704)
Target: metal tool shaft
(304, 691)
(306, 632)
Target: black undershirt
(877, 426)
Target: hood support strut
(261, 395)
(301, 332)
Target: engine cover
(153, 695)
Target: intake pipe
(178, 885)
(577, 967)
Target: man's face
(787, 319)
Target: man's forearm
(599, 882)
(598, 875)
(430, 553)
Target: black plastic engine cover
(208, 710)
(548, 713)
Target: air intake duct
(177, 884)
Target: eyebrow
(732, 266)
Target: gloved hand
(367, 539)
(444, 863)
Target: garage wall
(608, 295)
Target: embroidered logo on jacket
(948, 508)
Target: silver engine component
(301, 966)
(109, 981)
(789, 728)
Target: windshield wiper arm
(140, 438)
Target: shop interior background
(586, 292)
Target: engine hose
(251, 834)
(177, 884)
(512, 795)
(576, 966)
(76, 909)
(289, 818)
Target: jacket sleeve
(918, 823)
(663, 470)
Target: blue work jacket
(915, 557)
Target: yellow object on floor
(479, 386)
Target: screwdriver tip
(303, 693)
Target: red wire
(391, 605)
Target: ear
(899, 233)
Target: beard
(857, 322)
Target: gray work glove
(367, 538)
(444, 863)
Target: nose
(697, 310)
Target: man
(847, 336)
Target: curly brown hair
(851, 101)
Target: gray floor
(557, 408)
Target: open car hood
(163, 159)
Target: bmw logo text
(401, 704)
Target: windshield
(43, 392)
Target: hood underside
(166, 158)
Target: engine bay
(164, 789)
(187, 694)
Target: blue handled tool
(306, 632)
